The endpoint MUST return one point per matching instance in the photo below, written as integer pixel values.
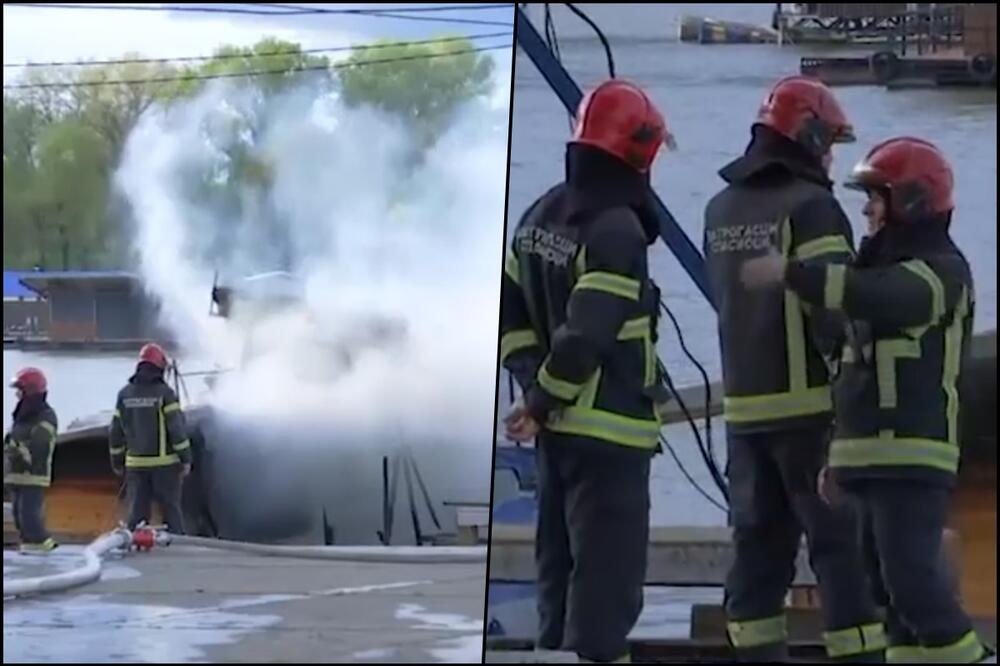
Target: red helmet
(619, 118)
(30, 380)
(805, 110)
(914, 173)
(153, 353)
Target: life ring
(983, 67)
(884, 66)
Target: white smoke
(397, 260)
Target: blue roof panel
(12, 287)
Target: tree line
(65, 131)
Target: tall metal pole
(569, 93)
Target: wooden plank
(682, 556)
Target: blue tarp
(12, 287)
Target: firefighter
(149, 442)
(578, 333)
(909, 301)
(28, 450)
(777, 405)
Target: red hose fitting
(144, 538)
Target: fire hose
(89, 572)
(146, 538)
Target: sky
(58, 34)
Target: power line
(439, 19)
(228, 75)
(404, 12)
(393, 12)
(285, 10)
(404, 8)
(228, 56)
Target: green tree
(112, 110)
(255, 77)
(70, 189)
(423, 86)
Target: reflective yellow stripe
(641, 329)
(904, 654)
(581, 262)
(512, 267)
(118, 415)
(589, 393)
(48, 427)
(614, 428)
(952, 364)
(183, 446)
(873, 636)
(833, 289)
(795, 332)
(35, 480)
(117, 451)
(141, 462)
(821, 246)
(966, 650)
(557, 387)
(634, 329)
(172, 407)
(777, 405)
(886, 353)
(795, 339)
(618, 285)
(921, 269)
(847, 355)
(24, 451)
(43, 547)
(888, 450)
(516, 340)
(758, 632)
(854, 640)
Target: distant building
(25, 314)
(95, 307)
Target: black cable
(439, 19)
(423, 491)
(552, 42)
(712, 469)
(375, 13)
(690, 479)
(271, 54)
(704, 378)
(393, 488)
(229, 75)
(600, 35)
(383, 536)
(418, 534)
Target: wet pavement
(191, 605)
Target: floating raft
(888, 69)
(710, 31)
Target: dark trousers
(29, 514)
(162, 484)
(902, 528)
(591, 544)
(773, 500)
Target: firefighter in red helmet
(149, 442)
(778, 407)
(908, 300)
(28, 450)
(578, 333)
